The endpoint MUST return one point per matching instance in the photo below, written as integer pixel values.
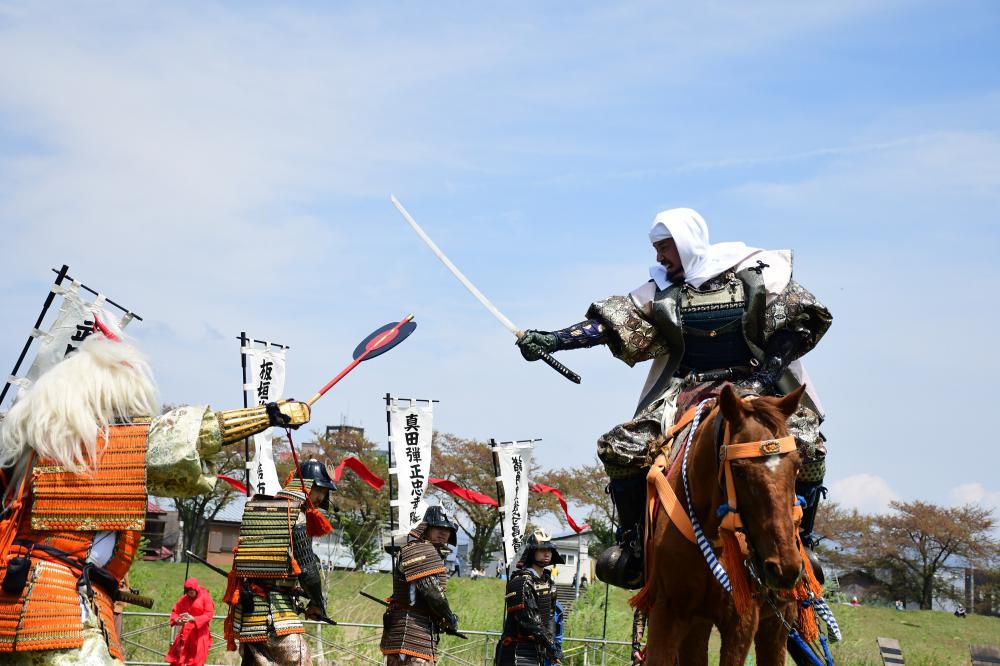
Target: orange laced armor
(65, 512)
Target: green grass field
(928, 638)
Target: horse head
(763, 479)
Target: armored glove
(781, 349)
(533, 343)
(237, 424)
(452, 625)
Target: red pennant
(233, 482)
(463, 493)
(542, 488)
(359, 468)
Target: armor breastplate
(264, 549)
(545, 599)
(712, 325)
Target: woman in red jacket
(193, 613)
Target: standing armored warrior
(710, 314)
(418, 608)
(530, 630)
(80, 450)
(273, 565)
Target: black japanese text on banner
(513, 462)
(265, 383)
(410, 432)
(73, 323)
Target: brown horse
(682, 597)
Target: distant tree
(584, 486)
(909, 547)
(361, 511)
(838, 532)
(469, 463)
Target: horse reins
(729, 512)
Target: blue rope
(823, 610)
(706, 548)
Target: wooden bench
(984, 655)
(889, 650)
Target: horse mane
(768, 413)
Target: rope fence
(148, 636)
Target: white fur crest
(63, 413)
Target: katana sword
(507, 323)
(386, 604)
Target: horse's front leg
(694, 648)
(737, 635)
(772, 635)
(664, 636)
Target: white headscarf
(701, 260)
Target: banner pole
(106, 300)
(60, 276)
(388, 448)
(244, 342)
(500, 507)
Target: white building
(574, 549)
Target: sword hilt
(559, 367)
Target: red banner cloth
(542, 488)
(359, 468)
(233, 482)
(464, 493)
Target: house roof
(232, 512)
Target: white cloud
(867, 493)
(976, 493)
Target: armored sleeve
(522, 609)
(796, 309)
(178, 445)
(630, 335)
(421, 566)
(429, 591)
(309, 580)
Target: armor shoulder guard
(419, 559)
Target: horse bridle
(726, 453)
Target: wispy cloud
(868, 493)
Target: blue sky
(227, 166)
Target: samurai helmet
(435, 516)
(538, 540)
(315, 470)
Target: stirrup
(621, 565)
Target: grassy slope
(928, 638)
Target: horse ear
(790, 402)
(732, 406)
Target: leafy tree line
(909, 549)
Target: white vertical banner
(265, 383)
(73, 323)
(410, 431)
(513, 461)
